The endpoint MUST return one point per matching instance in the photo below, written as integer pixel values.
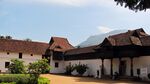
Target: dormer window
(31, 54)
(7, 53)
(57, 47)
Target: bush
(69, 69)
(16, 67)
(81, 69)
(17, 78)
(21, 79)
(42, 80)
(39, 67)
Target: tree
(16, 67)
(28, 39)
(8, 37)
(136, 5)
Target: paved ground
(59, 79)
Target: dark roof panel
(81, 50)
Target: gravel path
(59, 79)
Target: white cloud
(104, 29)
(65, 2)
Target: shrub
(21, 79)
(42, 80)
(69, 69)
(81, 69)
(16, 67)
(37, 68)
(17, 78)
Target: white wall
(93, 64)
(142, 62)
(138, 63)
(60, 69)
(115, 65)
(27, 58)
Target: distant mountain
(97, 39)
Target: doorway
(122, 68)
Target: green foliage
(69, 69)
(16, 66)
(21, 79)
(17, 78)
(81, 68)
(8, 83)
(42, 80)
(135, 4)
(39, 67)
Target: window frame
(20, 55)
(56, 64)
(7, 64)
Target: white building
(24, 50)
(125, 53)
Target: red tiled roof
(81, 50)
(145, 41)
(59, 44)
(127, 38)
(11, 45)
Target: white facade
(95, 65)
(7, 56)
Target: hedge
(20, 79)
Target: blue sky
(73, 19)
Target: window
(69, 63)
(20, 55)
(56, 64)
(7, 53)
(7, 64)
(31, 54)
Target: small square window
(31, 54)
(7, 64)
(7, 53)
(56, 64)
(20, 55)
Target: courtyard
(61, 79)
